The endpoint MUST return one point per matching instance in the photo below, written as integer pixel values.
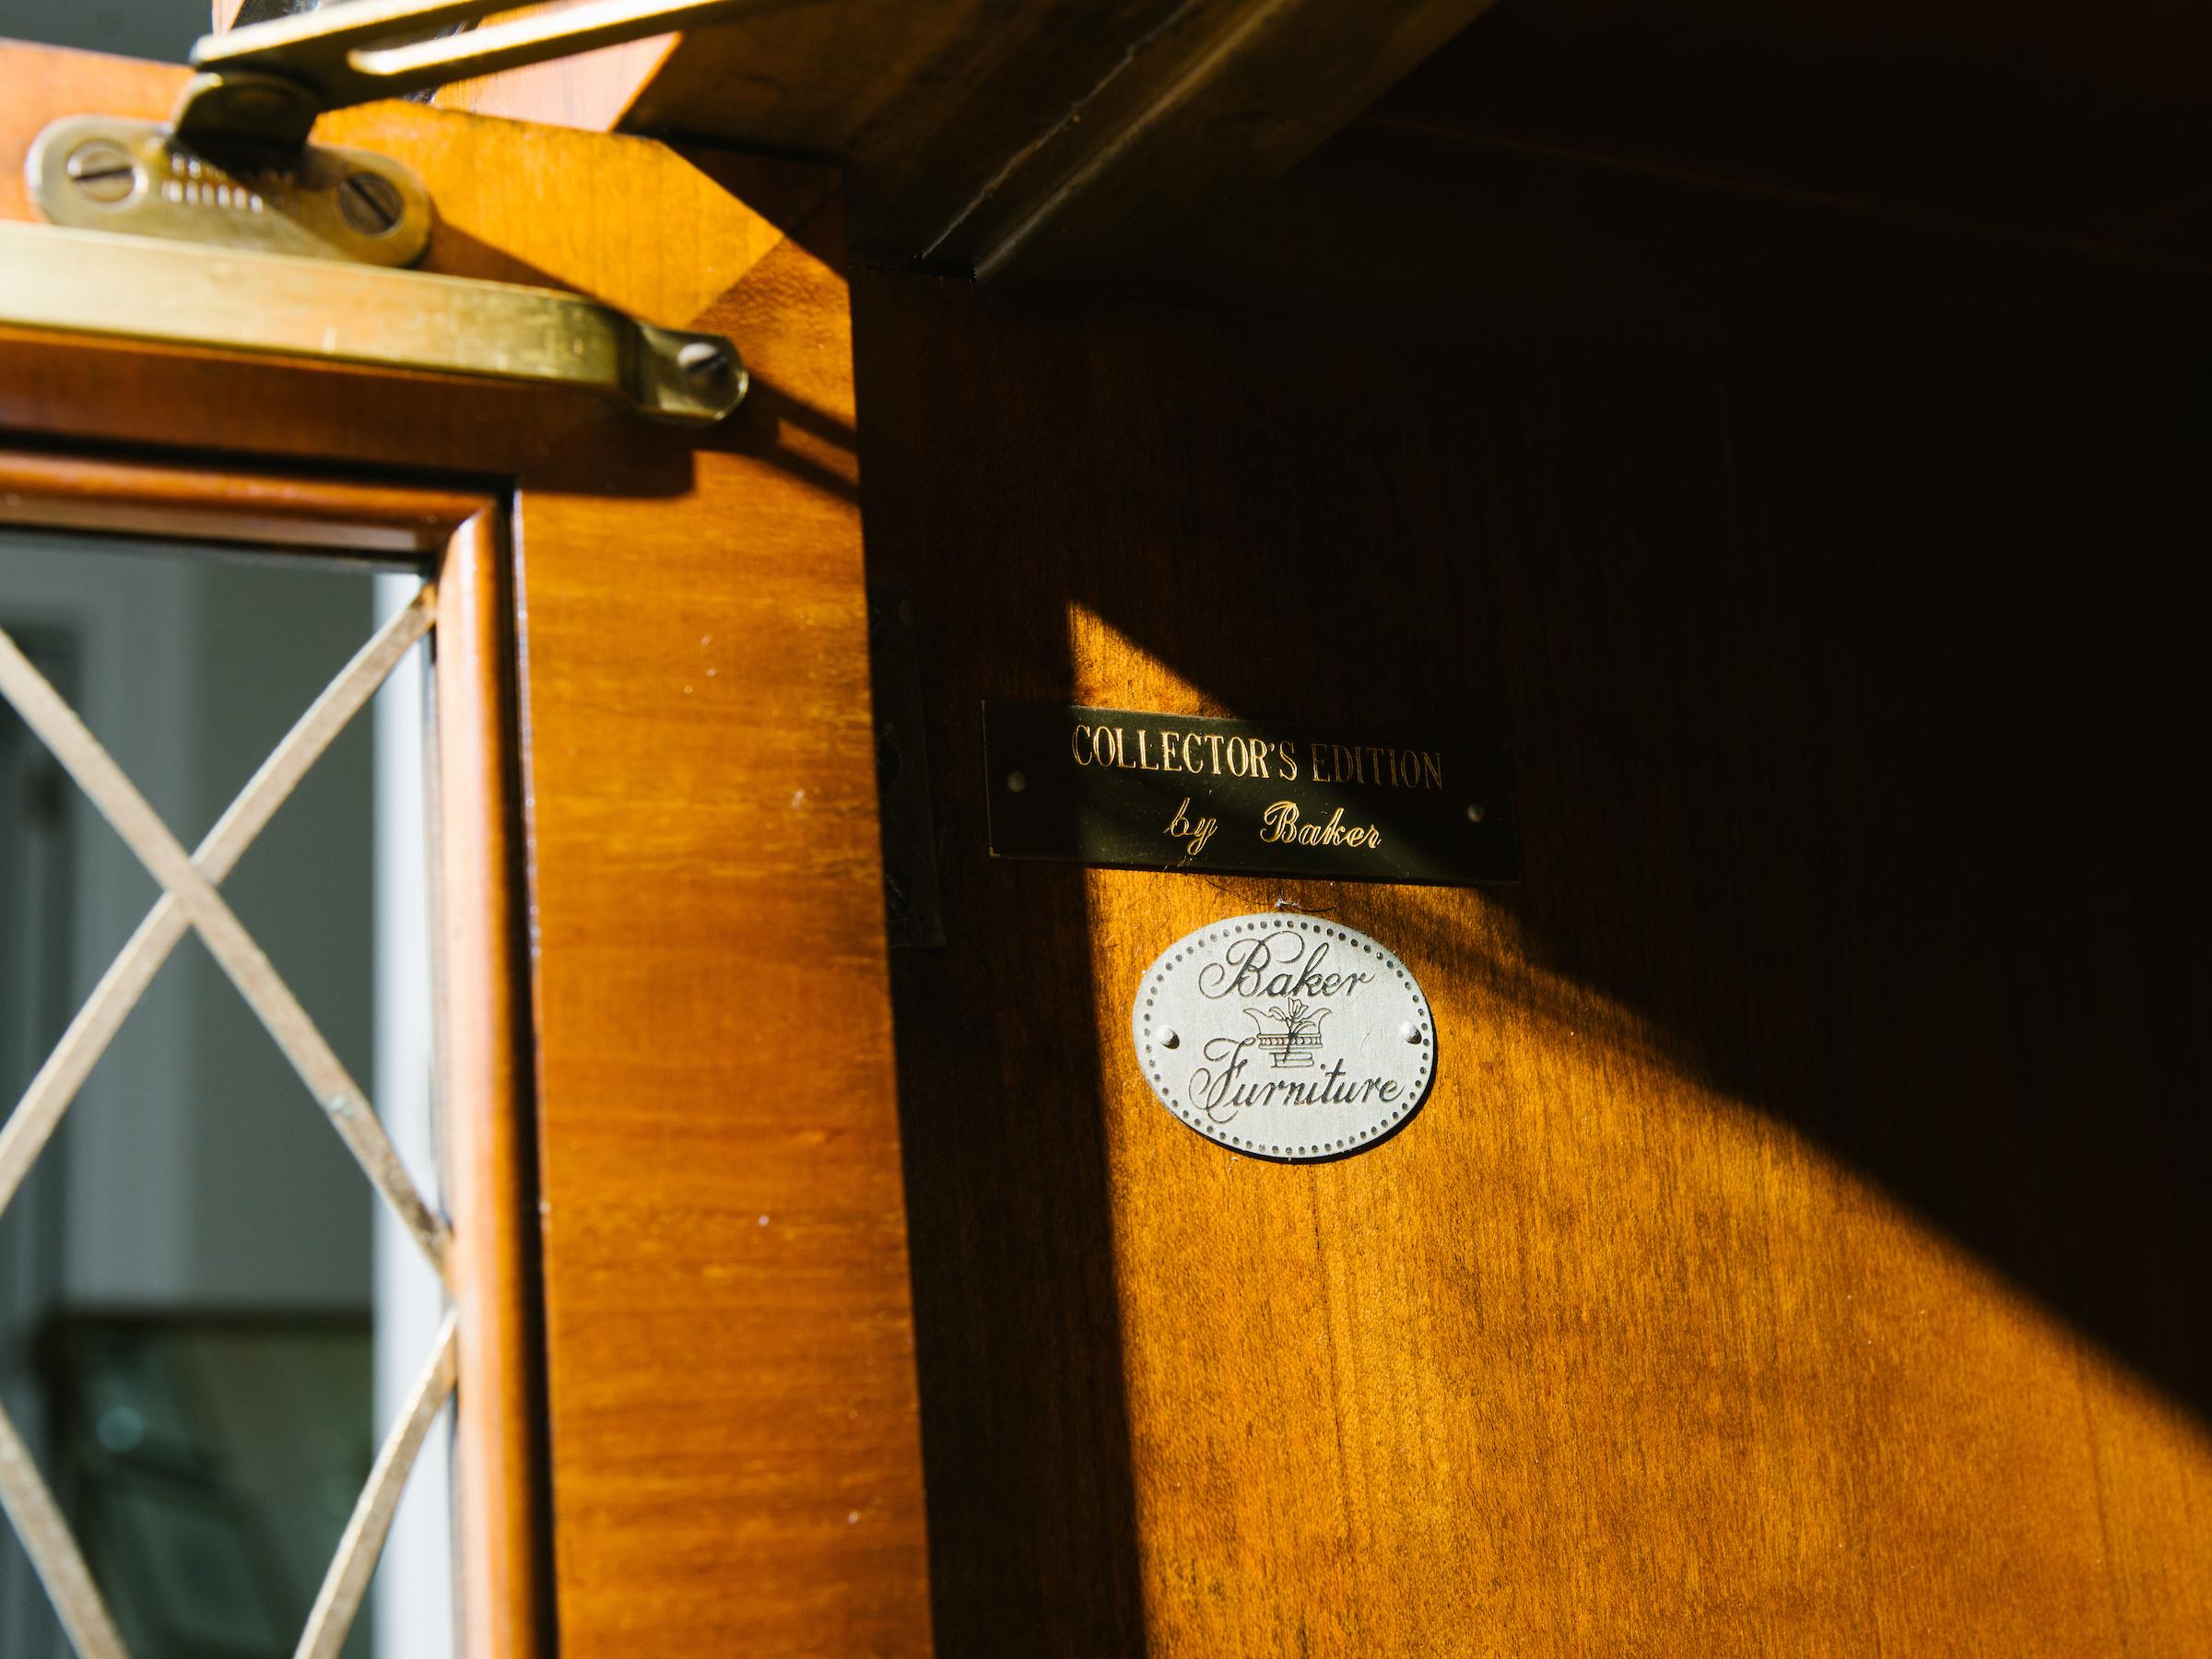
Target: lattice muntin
(191, 901)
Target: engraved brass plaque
(1175, 792)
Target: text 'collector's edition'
(1169, 791)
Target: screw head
(702, 362)
(102, 170)
(1474, 813)
(1016, 783)
(370, 204)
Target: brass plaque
(1175, 792)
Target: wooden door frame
(456, 541)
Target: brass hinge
(233, 168)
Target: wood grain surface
(733, 1386)
(728, 1359)
(1527, 252)
(1061, 138)
(115, 497)
(1032, 136)
(1797, 1253)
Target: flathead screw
(702, 362)
(370, 204)
(102, 170)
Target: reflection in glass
(190, 1274)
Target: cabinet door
(684, 1351)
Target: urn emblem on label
(1283, 1036)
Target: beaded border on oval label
(1153, 1037)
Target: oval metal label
(1285, 1037)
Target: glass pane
(203, 1333)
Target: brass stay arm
(259, 88)
(322, 310)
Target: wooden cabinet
(1797, 1253)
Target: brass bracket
(98, 173)
(319, 311)
(233, 167)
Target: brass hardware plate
(93, 173)
(1174, 792)
(324, 310)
